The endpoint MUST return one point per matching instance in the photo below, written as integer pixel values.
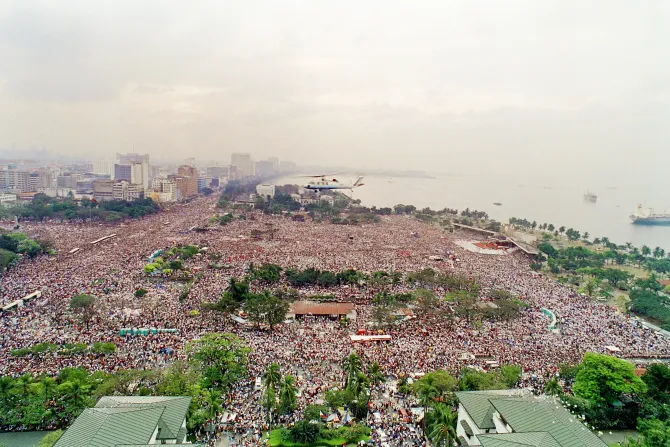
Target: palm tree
(441, 428)
(586, 236)
(22, 385)
(271, 376)
(561, 230)
(375, 375)
(287, 395)
(646, 251)
(212, 402)
(75, 392)
(361, 384)
(351, 365)
(6, 385)
(551, 227)
(552, 388)
(604, 240)
(658, 252)
(629, 245)
(597, 241)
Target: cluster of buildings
(127, 177)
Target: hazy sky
(401, 84)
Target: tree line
(67, 209)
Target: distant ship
(497, 204)
(590, 196)
(648, 217)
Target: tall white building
(104, 167)
(15, 180)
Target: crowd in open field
(311, 350)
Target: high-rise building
(14, 180)
(287, 166)
(242, 161)
(266, 168)
(217, 171)
(191, 176)
(122, 172)
(127, 159)
(165, 189)
(33, 181)
(127, 191)
(104, 167)
(103, 189)
(137, 175)
(275, 162)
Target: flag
(323, 415)
(93, 200)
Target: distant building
(274, 161)
(7, 199)
(68, 180)
(103, 189)
(190, 175)
(127, 191)
(137, 421)
(287, 166)
(12, 180)
(122, 172)
(33, 181)
(515, 417)
(234, 173)
(264, 168)
(165, 188)
(217, 172)
(265, 190)
(203, 183)
(104, 167)
(242, 161)
(128, 159)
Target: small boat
(497, 203)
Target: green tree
(212, 401)
(222, 359)
(646, 251)
(441, 426)
(552, 388)
(287, 395)
(75, 392)
(375, 374)
(603, 378)
(657, 379)
(351, 365)
(84, 305)
(561, 230)
(271, 376)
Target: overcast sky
(399, 84)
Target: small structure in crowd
(311, 308)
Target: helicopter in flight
(328, 182)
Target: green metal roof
(542, 414)
(109, 427)
(127, 421)
(539, 439)
(176, 408)
(535, 421)
(477, 404)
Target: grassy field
(274, 440)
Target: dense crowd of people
(112, 271)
